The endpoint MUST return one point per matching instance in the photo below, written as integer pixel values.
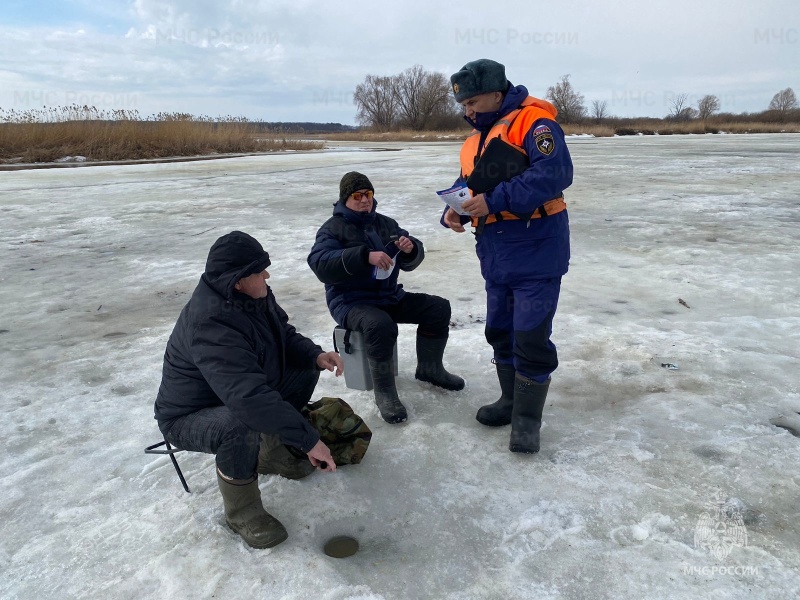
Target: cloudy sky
(298, 60)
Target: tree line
(572, 109)
(421, 100)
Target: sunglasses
(359, 196)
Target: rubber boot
(245, 514)
(429, 364)
(499, 413)
(392, 410)
(275, 459)
(526, 417)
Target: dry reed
(50, 134)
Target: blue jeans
(216, 431)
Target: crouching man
(235, 375)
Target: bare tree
(599, 110)
(420, 95)
(568, 101)
(678, 107)
(707, 106)
(783, 102)
(376, 103)
(448, 115)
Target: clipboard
(499, 162)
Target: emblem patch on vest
(545, 143)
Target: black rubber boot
(526, 417)
(275, 459)
(392, 410)
(429, 364)
(498, 413)
(245, 514)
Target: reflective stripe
(551, 207)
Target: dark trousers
(216, 431)
(378, 324)
(519, 321)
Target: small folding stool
(171, 451)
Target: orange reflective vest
(512, 128)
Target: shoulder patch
(545, 143)
(541, 129)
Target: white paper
(455, 197)
(378, 273)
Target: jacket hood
(515, 96)
(232, 257)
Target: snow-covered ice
(97, 262)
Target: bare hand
(476, 206)
(380, 259)
(453, 220)
(405, 244)
(321, 454)
(331, 361)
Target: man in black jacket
(356, 254)
(235, 376)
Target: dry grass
(595, 130)
(406, 135)
(662, 127)
(644, 126)
(51, 134)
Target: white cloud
(306, 57)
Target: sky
(642, 468)
(300, 60)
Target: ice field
(684, 253)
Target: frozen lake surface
(685, 251)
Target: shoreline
(336, 145)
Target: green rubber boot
(245, 514)
(274, 458)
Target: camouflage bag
(340, 429)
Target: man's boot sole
(523, 450)
(492, 423)
(439, 384)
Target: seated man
(354, 256)
(235, 375)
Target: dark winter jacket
(340, 259)
(228, 348)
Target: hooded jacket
(340, 259)
(230, 349)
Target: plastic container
(350, 345)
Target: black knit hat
(352, 182)
(478, 77)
